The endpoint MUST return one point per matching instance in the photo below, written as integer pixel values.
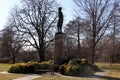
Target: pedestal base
(60, 51)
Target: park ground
(113, 74)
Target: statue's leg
(61, 29)
(58, 29)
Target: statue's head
(60, 8)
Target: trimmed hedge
(23, 68)
(78, 67)
(30, 67)
(75, 67)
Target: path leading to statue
(103, 73)
(97, 75)
(29, 77)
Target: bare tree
(4, 46)
(105, 49)
(98, 13)
(11, 43)
(75, 29)
(35, 21)
(115, 28)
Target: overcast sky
(7, 5)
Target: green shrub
(56, 68)
(73, 70)
(15, 69)
(45, 65)
(42, 66)
(30, 62)
(84, 61)
(47, 62)
(72, 63)
(51, 62)
(62, 68)
(87, 71)
(30, 67)
(23, 68)
(94, 67)
(78, 67)
(78, 60)
(44, 62)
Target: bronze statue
(60, 20)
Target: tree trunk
(78, 40)
(93, 43)
(41, 52)
(41, 55)
(13, 58)
(93, 54)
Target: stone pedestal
(60, 50)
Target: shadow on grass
(105, 77)
(110, 78)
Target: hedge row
(78, 67)
(74, 67)
(30, 67)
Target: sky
(68, 9)
(7, 5)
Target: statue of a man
(60, 20)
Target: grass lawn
(64, 78)
(4, 67)
(114, 74)
(114, 69)
(10, 76)
(54, 78)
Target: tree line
(93, 33)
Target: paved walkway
(33, 76)
(29, 77)
(103, 73)
(5, 72)
(96, 75)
